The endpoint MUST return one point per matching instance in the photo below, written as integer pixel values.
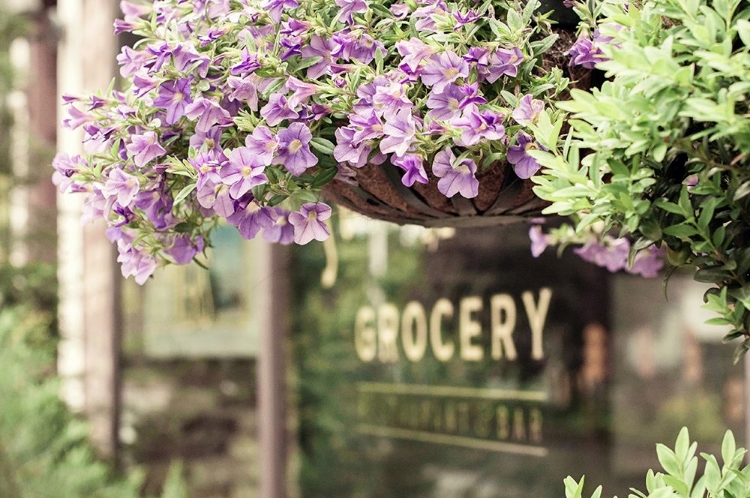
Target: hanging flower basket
(379, 193)
(254, 113)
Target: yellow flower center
(295, 145)
(450, 73)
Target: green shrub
(730, 480)
(44, 451)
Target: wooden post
(271, 377)
(89, 284)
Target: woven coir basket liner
(503, 197)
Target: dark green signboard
(457, 365)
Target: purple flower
(445, 105)
(248, 64)
(301, 91)
(243, 171)
(309, 222)
(583, 53)
(245, 90)
(399, 131)
(77, 118)
(174, 96)
(609, 253)
(480, 125)
(456, 177)
(528, 110)
(294, 149)
(281, 231)
(184, 249)
(443, 69)
(277, 110)
(539, 240)
(413, 164)
(122, 185)
(251, 218)
(524, 165)
(211, 140)
(140, 265)
(479, 56)
(413, 52)
(275, 7)
(131, 61)
(208, 113)
(504, 62)
(648, 263)
(346, 150)
(366, 125)
(262, 143)
(350, 7)
(144, 148)
(389, 99)
(318, 47)
(463, 19)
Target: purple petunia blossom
(294, 149)
(245, 90)
(346, 150)
(464, 19)
(389, 99)
(121, 185)
(144, 148)
(275, 7)
(414, 51)
(277, 110)
(211, 140)
(649, 262)
(583, 53)
(399, 131)
(262, 143)
(243, 171)
(413, 164)
(183, 249)
(131, 61)
(281, 232)
(480, 125)
(610, 253)
(319, 47)
(539, 240)
(524, 165)
(208, 113)
(350, 7)
(441, 70)
(528, 110)
(247, 65)
(140, 265)
(445, 105)
(504, 62)
(366, 125)
(250, 218)
(174, 96)
(455, 178)
(309, 222)
(301, 91)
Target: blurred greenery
(44, 448)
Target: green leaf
(668, 460)
(322, 145)
(323, 177)
(184, 193)
(728, 447)
(711, 275)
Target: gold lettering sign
(380, 335)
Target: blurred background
(244, 381)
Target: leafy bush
(44, 451)
(730, 480)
